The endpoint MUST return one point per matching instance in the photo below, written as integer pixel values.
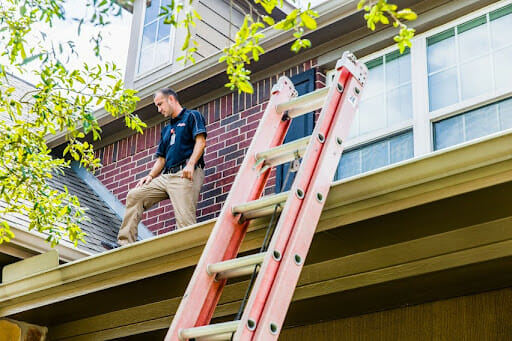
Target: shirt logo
(181, 124)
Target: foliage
(247, 41)
(380, 10)
(171, 13)
(62, 102)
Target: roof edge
(446, 173)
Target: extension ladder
(281, 264)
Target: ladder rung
(218, 337)
(285, 152)
(303, 104)
(212, 330)
(237, 264)
(246, 270)
(262, 212)
(268, 201)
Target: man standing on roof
(178, 172)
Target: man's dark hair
(168, 92)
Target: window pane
(374, 156)
(499, 25)
(162, 52)
(163, 29)
(398, 71)
(350, 164)
(152, 11)
(448, 132)
(503, 68)
(146, 59)
(441, 54)
(474, 41)
(443, 89)
(372, 115)
(474, 79)
(399, 106)
(505, 112)
(375, 83)
(481, 122)
(148, 35)
(401, 148)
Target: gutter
(460, 169)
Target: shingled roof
(103, 222)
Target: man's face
(165, 104)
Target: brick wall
(231, 123)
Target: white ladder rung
(219, 337)
(285, 152)
(268, 201)
(303, 104)
(212, 330)
(233, 267)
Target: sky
(114, 45)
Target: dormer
(155, 46)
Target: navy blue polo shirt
(184, 127)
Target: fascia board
(452, 171)
(31, 242)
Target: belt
(176, 169)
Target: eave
(462, 169)
(29, 243)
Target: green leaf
(308, 21)
(268, 20)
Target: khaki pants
(183, 193)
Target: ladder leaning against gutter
(281, 262)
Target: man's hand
(145, 180)
(188, 171)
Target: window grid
(156, 43)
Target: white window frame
(139, 75)
(422, 119)
(464, 105)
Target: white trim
(33, 242)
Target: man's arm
(199, 146)
(154, 172)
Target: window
(470, 59)
(461, 74)
(387, 99)
(155, 45)
(375, 155)
(385, 110)
(473, 124)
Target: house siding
(231, 121)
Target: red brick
(251, 111)
(121, 176)
(249, 127)
(234, 140)
(120, 190)
(217, 131)
(227, 180)
(137, 170)
(230, 171)
(211, 209)
(212, 178)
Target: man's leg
(184, 195)
(139, 199)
